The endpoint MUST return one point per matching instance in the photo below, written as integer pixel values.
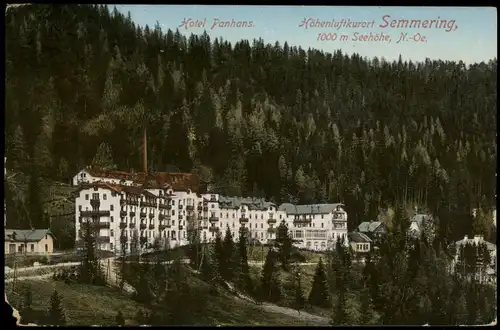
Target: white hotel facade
(118, 204)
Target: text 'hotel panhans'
(166, 206)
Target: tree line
(253, 119)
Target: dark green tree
(284, 244)
(244, 280)
(319, 295)
(56, 314)
(230, 256)
(270, 286)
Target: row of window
(20, 248)
(363, 246)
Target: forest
(252, 118)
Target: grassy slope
(91, 305)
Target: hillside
(93, 305)
(252, 118)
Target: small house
(360, 243)
(34, 241)
(375, 230)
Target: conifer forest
(253, 119)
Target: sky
(472, 37)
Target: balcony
(213, 229)
(131, 225)
(102, 239)
(95, 202)
(243, 220)
(163, 226)
(150, 204)
(151, 226)
(142, 226)
(100, 225)
(151, 215)
(301, 221)
(213, 219)
(164, 216)
(168, 206)
(271, 221)
(181, 227)
(189, 207)
(123, 225)
(94, 213)
(180, 207)
(132, 213)
(338, 216)
(142, 214)
(123, 213)
(133, 202)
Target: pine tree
(229, 256)
(119, 319)
(244, 280)
(284, 245)
(300, 300)
(56, 315)
(319, 295)
(270, 283)
(219, 255)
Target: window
(221, 214)
(79, 207)
(86, 197)
(112, 207)
(112, 233)
(104, 196)
(322, 225)
(112, 219)
(280, 216)
(46, 248)
(173, 212)
(227, 215)
(95, 196)
(111, 246)
(233, 215)
(261, 216)
(261, 226)
(32, 246)
(250, 226)
(322, 216)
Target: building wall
(360, 247)
(38, 247)
(320, 234)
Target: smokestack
(145, 153)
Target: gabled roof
(153, 180)
(309, 209)
(358, 237)
(369, 226)
(252, 203)
(25, 235)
